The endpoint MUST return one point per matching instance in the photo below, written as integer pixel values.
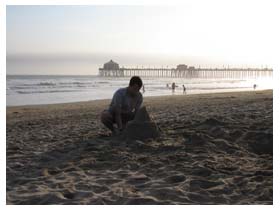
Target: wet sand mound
(142, 127)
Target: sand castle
(142, 127)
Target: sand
(212, 149)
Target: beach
(212, 149)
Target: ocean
(52, 89)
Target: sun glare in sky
(235, 33)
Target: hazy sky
(218, 31)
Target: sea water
(52, 89)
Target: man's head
(135, 85)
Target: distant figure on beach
(124, 105)
(167, 86)
(143, 89)
(184, 89)
(255, 86)
(173, 87)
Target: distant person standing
(184, 89)
(254, 86)
(173, 87)
(143, 89)
(167, 86)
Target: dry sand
(213, 149)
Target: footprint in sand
(175, 179)
(204, 184)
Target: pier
(111, 69)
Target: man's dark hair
(135, 80)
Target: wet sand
(213, 149)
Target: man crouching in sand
(124, 105)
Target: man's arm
(118, 118)
(117, 104)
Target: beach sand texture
(212, 149)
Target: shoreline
(144, 97)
